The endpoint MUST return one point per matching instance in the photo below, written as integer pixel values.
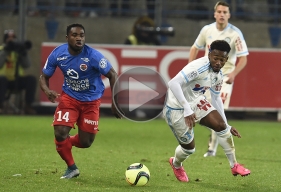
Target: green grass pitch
(27, 148)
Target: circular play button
(141, 93)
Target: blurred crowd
(79, 8)
(193, 9)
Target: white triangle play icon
(146, 93)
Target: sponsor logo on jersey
(91, 122)
(73, 81)
(103, 63)
(61, 58)
(72, 74)
(197, 87)
(83, 67)
(85, 59)
(200, 89)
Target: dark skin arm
(53, 95)
(234, 132)
(44, 85)
(190, 120)
(116, 110)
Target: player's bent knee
(221, 126)
(86, 143)
(224, 133)
(60, 135)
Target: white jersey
(198, 76)
(230, 34)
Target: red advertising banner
(256, 87)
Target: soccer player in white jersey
(222, 30)
(186, 104)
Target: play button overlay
(140, 93)
(135, 85)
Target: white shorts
(226, 92)
(175, 119)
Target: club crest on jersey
(103, 63)
(227, 39)
(214, 80)
(83, 67)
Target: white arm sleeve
(175, 86)
(218, 104)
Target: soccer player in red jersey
(79, 102)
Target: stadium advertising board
(257, 87)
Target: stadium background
(112, 26)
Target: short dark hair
(74, 25)
(221, 3)
(220, 45)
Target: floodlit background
(28, 159)
(109, 22)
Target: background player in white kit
(186, 104)
(222, 30)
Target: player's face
(76, 39)
(217, 59)
(222, 14)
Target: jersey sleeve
(189, 73)
(240, 45)
(50, 65)
(200, 41)
(103, 64)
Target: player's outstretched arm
(116, 110)
(44, 85)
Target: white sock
(181, 155)
(213, 143)
(226, 141)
